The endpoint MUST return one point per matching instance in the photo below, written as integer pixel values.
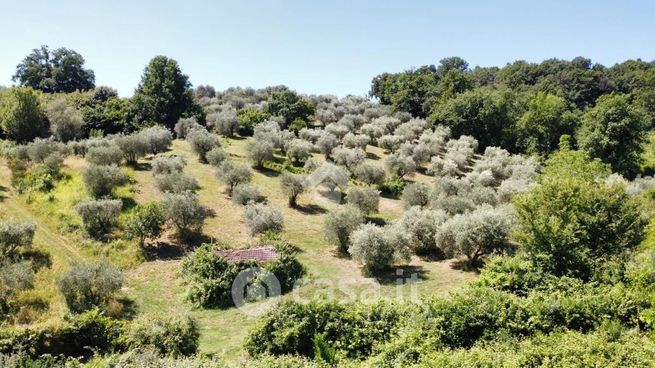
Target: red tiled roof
(259, 254)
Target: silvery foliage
(388, 123)
(269, 131)
(157, 138)
(399, 166)
(216, 156)
(99, 216)
(39, 149)
(378, 248)
(390, 143)
(411, 129)
(353, 122)
(245, 193)
(483, 231)
(369, 173)
(636, 187)
(261, 218)
(435, 140)
(299, 150)
(443, 167)
(312, 164)
(15, 235)
(377, 111)
(326, 143)
(185, 125)
(416, 194)
(374, 131)
(259, 151)
(348, 157)
(201, 142)
(338, 130)
(360, 141)
(421, 226)
(176, 182)
(224, 122)
(311, 135)
(330, 176)
(104, 155)
(366, 199)
(167, 164)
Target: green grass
(156, 287)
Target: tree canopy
(60, 70)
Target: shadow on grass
(141, 166)
(433, 255)
(268, 172)
(372, 156)
(404, 273)
(161, 250)
(128, 203)
(38, 258)
(126, 309)
(311, 209)
(376, 220)
(467, 266)
(3, 190)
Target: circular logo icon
(255, 290)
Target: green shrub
(246, 193)
(101, 180)
(176, 182)
(104, 155)
(392, 188)
(146, 221)
(173, 336)
(89, 285)
(100, 216)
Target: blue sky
(333, 47)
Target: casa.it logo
(255, 291)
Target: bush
(483, 231)
(99, 216)
(416, 194)
(146, 221)
(232, 174)
(14, 277)
(133, 146)
(104, 155)
(65, 121)
(340, 225)
(224, 122)
(162, 165)
(245, 193)
(202, 142)
(366, 199)
(21, 119)
(400, 166)
(378, 248)
(348, 157)
(89, 285)
(101, 180)
(353, 330)
(210, 276)
(292, 186)
(176, 183)
(185, 125)
(157, 138)
(261, 218)
(172, 336)
(184, 211)
(15, 237)
(421, 226)
(392, 188)
(260, 151)
(216, 156)
(326, 143)
(370, 174)
(299, 150)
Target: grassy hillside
(153, 284)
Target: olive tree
(100, 216)
(157, 138)
(421, 226)
(232, 174)
(416, 194)
(370, 174)
(326, 143)
(133, 146)
(366, 199)
(299, 150)
(261, 218)
(245, 193)
(184, 212)
(347, 157)
(378, 248)
(185, 126)
(15, 236)
(339, 226)
(146, 221)
(176, 182)
(104, 155)
(483, 231)
(65, 121)
(89, 285)
(260, 151)
(162, 165)
(101, 180)
(216, 156)
(225, 122)
(400, 166)
(202, 142)
(292, 186)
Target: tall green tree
(164, 94)
(21, 116)
(290, 106)
(546, 119)
(614, 131)
(61, 70)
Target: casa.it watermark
(255, 290)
